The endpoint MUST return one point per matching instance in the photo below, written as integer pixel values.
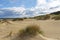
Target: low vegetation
(42, 17)
(57, 17)
(31, 30)
(55, 13)
(28, 32)
(18, 19)
(4, 21)
(11, 19)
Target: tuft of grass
(30, 31)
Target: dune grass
(57, 17)
(30, 31)
(18, 19)
(42, 17)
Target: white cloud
(51, 3)
(44, 5)
(16, 9)
(52, 10)
(54, 3)
(41, 2)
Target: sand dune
(51, 28)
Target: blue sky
(17, 3)
(26, 8)
(35, 4)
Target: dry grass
(57, 17)
(31, 30)
(43, 17)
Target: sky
(29, 3)
(17, 3)
(32, 7)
